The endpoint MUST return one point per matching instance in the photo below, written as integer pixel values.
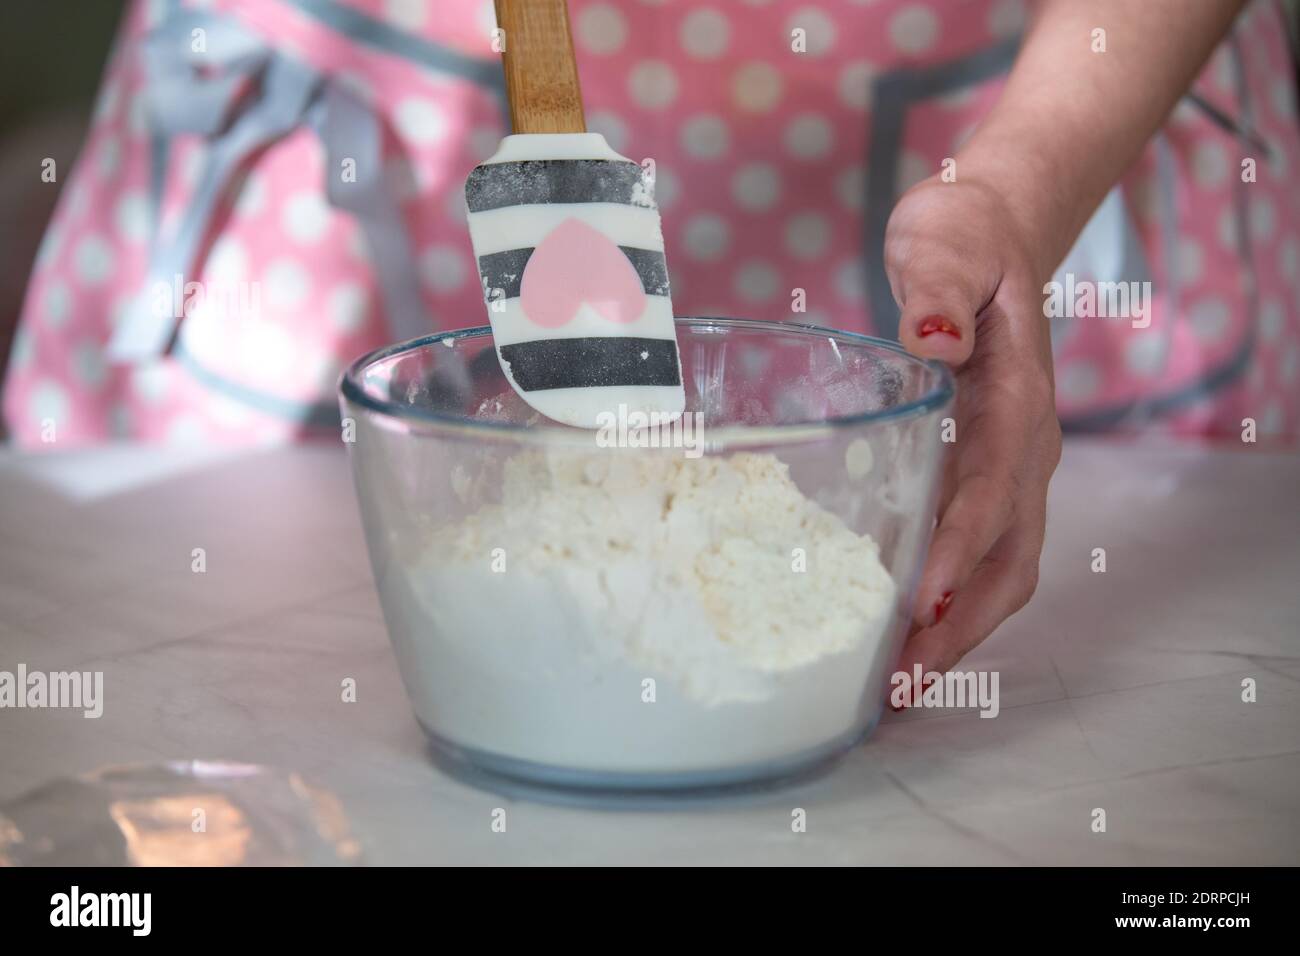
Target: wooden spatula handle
(541, 74)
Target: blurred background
(54, 54)
(51, 57)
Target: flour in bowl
(641, 611)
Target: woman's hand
(968, 283)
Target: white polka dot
(88, 364)
(132, 216)
(912, 169)
(108, 159)
(228, 261)
(1282, 96)
(705, 34)
(756, 186)
(23, 349)
(1270, 422)
(855, 85)
(1271, 320)
(186, 428)
(51, 245)
(1145, 352)
(809, 136)
(705, 137)
(850, 281)
(1289, 365)
(407, 14)
(1288, 259)
(270, 350)
(420, 121)
(652, 84)
(49, 402)
(850, 187)
(73, 201)
(610, 126)
(250, 195)
(667, 187)
(1007, 18)
(106, 106)
(347, 307)
(601, 29)
(757, 282)
(443, 268)
(1189, 260)
(1209, 164)
(1209, 319)
(57, 304)
(913, 30)
(228, 413)
(756, 88)
(1227, 229)
(807, 235)
(1263, 219)
(819, 29)
(706, 237)
(1078, 381)
(287, 284)
(305, 216)
(206, 331)
(93, 260)
(152, 381)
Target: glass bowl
(650, 607)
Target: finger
(939, 295)
(997, 589)
(980, 509)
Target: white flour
(625, 567)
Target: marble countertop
(1120, 690)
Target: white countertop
(1119, 690)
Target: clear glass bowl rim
(353, 392)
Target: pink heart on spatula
(576, 264)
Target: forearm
(1070, 120)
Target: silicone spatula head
(569, 245)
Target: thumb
(939, 301)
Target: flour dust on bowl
(711, 603)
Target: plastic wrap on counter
(182, 813)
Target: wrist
(1045, 210)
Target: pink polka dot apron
(232, 236)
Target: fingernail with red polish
(941, 606)
(937, 323)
